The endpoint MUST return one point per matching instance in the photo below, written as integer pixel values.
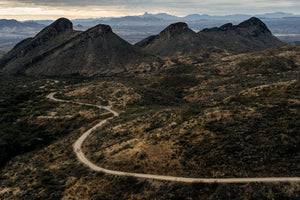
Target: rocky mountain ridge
(250, 35)
(58, 50)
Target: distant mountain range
(192, 17)
(59, 50)
(135, 28)
(13, 31)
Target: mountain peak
(61, 25)
(227, 26)
(175, 28)
(253, 21)
(257, 26)
(253, 27)
(101, 28)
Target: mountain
(250, 35)
(135, 28)
(31, 50)
(176, 39)
(59, 50)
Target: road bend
(83, 159)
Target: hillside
(206, 115)
(178, 39)
(214, 118)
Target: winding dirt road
(82, 158)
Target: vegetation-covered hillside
(211, 114)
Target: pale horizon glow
(74, 9)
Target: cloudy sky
(52, 9)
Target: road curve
(82, 158)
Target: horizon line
(138, 15)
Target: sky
(72, 9)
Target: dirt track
(82, 158)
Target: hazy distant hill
(250, 35)
(4, 23)
(13, 31)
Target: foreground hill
(59, 50)
(250, 35)
(239, 111)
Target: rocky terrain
(216, 113)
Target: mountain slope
(59, 50)
(250, 35)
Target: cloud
(159, 3)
